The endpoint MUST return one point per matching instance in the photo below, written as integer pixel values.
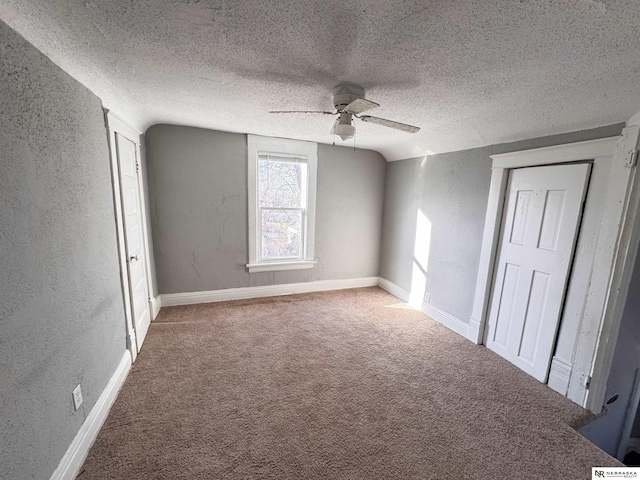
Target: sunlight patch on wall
(421, 250)
(422, 167)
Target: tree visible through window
(281, 194)
(282, 187)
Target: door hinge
(137, 167)
(631, 158)
(585, 380)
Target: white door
(539, 231)
(132, 217)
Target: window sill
(275, 266)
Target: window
(282, 200)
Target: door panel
(127, 153)
(505, 306)
(542, 214)
(521, 216)
(534, 316)
(553, 210)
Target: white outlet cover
(427, 297)
(77, 397)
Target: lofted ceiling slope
(469, 73)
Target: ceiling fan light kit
(344, 127)
(345, 132)
(349, 102)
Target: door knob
(134, 258)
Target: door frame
(115, 125)
(613, 260)
(535, 179)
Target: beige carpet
(342, 385)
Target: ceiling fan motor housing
(344, 93)
(349, 101)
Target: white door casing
(116, 127)
(611, 256)
(134, 240)
(537, 241)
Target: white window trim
(255, 145)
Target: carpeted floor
(341, 385)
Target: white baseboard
(446, 319)
(474, 331)
(432, 311)
(190, 298)
(77, 452)
(155, 305)
(394, 289)
(559, 376)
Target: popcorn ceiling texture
(470, 73)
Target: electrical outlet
(77, 397)
(427, 297)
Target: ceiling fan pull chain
(354, 140)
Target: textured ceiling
(469, 73)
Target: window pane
(281, 233)
(280, 183)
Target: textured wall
(451, 191)
(350, 200)
(198, 197)
(149, 245)
(61, 316)
(606, 431)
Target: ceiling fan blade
(390, 123)
(360, 105)
(320, 112)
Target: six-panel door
(539, 231)
(133, 237)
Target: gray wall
(451, 190)
(198, 198)
(607, 430)
(61, 316)
(147, 209)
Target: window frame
(280, 147)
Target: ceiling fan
(349, 102)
